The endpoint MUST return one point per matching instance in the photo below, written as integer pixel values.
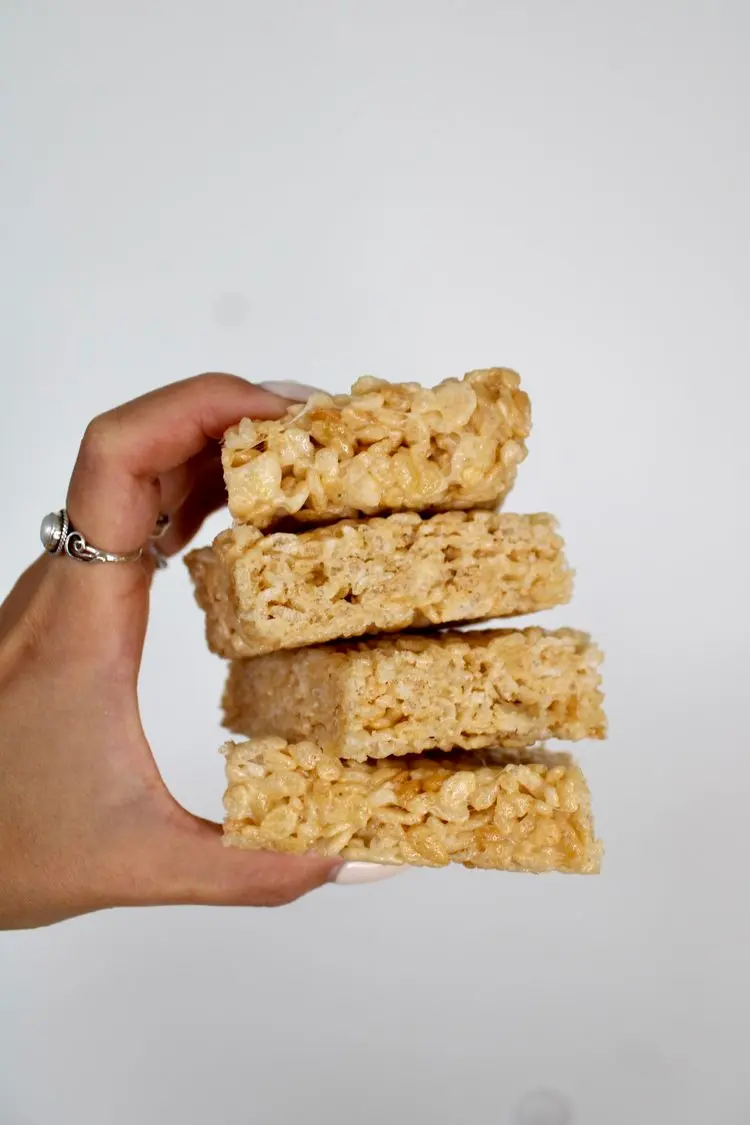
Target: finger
(115, 493)
(191, 865)
(188, 520)
(176, 486)
(207, 494)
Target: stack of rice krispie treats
(363, 524)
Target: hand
(85, 819)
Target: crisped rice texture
(392, 696)
(261, 592)
(481, 811)
(386, 447)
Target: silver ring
(59, 537)
(159, 558)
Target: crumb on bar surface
(261, 592)
(398, 695)
(490, 810)
(385, 447)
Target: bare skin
(86, 822)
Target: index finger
(113, 498)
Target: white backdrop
(411, 189)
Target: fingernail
(353, 873)
(297, 392)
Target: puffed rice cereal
(406, 694)
(386, 447)
(492, 810)
(261, 592)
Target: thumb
(190, 864)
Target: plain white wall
(409, 188)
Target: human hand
(86, 821)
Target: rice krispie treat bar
(261, 592)
(481, 811)
(394, 696)
(386, 447)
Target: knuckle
(211, 381)
(99, 438)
